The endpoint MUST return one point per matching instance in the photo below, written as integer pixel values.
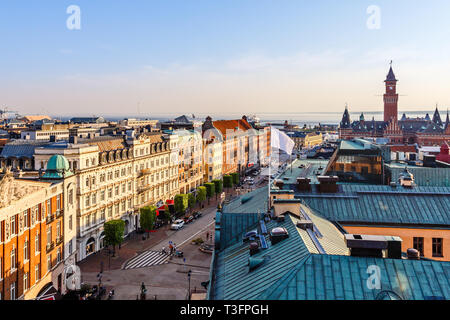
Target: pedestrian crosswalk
(147, 259)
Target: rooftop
(379, 204)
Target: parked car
(197, 215)
(178, 224)
(188, 219)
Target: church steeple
(437, 117)
(345, 123)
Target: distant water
(298, 118)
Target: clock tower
(391, 97)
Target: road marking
(196, 234)
(146, 259)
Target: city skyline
(209, 57)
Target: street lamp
(189, 284)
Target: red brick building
(423, 131)
(31, 238)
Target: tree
(235, 176)
(210, 190)
(166, 214)
(181, 203)
(191, 200)
(218, 186)
(114, 230)
(202, 193)
(228, 181)
(147, 218)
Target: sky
(151, 57)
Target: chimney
(413, 254)
(328, 184)
(303, 184)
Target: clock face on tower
(390, 88)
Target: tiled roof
(223, 125)
(383, 205)
(333, 277)
(404, 148)
(105, 143)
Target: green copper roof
(57, 168)
(423, 176)
(383, 204)
(333, 277)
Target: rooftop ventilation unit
(413, 254)
(278, 234)
(305, 224)
(374, 246)
(254, 248)
(254, 263)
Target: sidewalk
(130, 248)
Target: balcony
(58, 213)
(50, 246)
(49, 218)
(59, 240)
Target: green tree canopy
(227, 181)
(114, 231)
(218, 186)
(235, 176)
(181, 203)
(202, 193)
(147, 218)
(191, 200)
(210, 189)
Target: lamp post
(189, 285)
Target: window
(94, 198)
(49, 235)
(49, 208)
(87, 182)
(70, 222)
(110, 193)
(102, 214)
(123, 188)
(13, 259)
(1, 269)
(102, 195)
(26, 282)
(418, 244)
(37, 272)
(70, 247)
(26, 223)
(58, 229)
(110, 210)
(37, 244)
(58, 202)
(117, 190)
(13, 291)
(58, 256)
(13, 225)
(71, 196)
(437, 247)
(25, 250)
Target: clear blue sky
(214, 55)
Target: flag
(280, 140)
